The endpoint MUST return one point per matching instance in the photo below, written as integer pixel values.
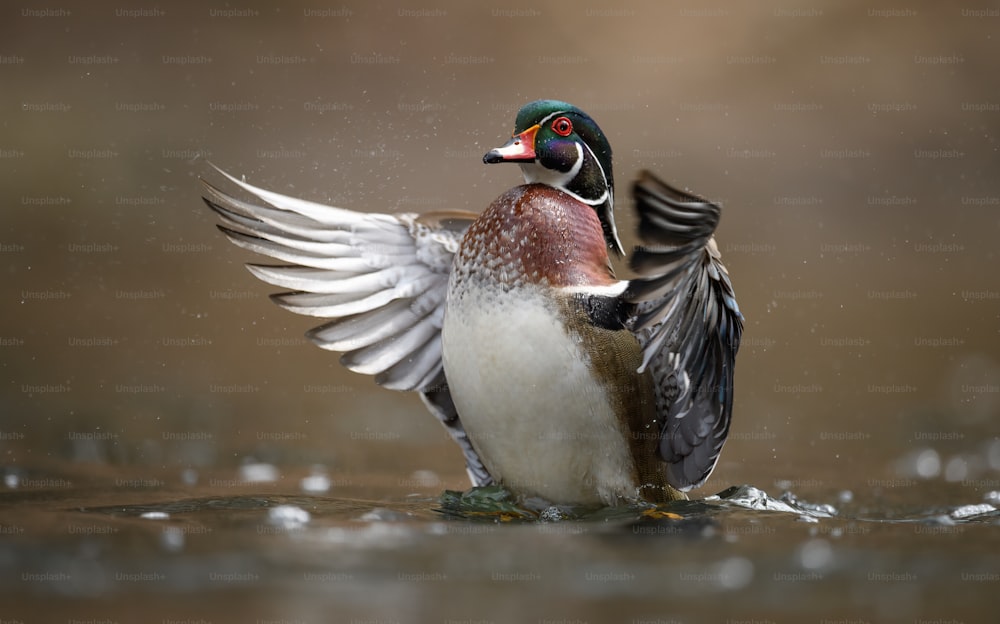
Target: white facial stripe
(610, 198)
(550, 116)
(604, 174)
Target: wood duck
(557, 380)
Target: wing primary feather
(379, 281)
(686, 318)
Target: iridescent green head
(560, 145)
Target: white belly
(536, 415)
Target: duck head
(559, 145)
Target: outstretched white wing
(380, 280)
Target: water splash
(750, 497)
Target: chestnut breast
(536, 234)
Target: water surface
(276, 553)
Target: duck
(559, 381)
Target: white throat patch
(534, 172)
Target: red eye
(562, 126)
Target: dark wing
(380, 280)
(688, 323)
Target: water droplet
(189, 476)
(928, 464)
(172, 538)
(956, 469)
(815, 554)
(258, 472)
(288, 517)
(316, 483)
(736, 572)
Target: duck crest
(535, 234)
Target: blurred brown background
(853, 146)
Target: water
(275, 553)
